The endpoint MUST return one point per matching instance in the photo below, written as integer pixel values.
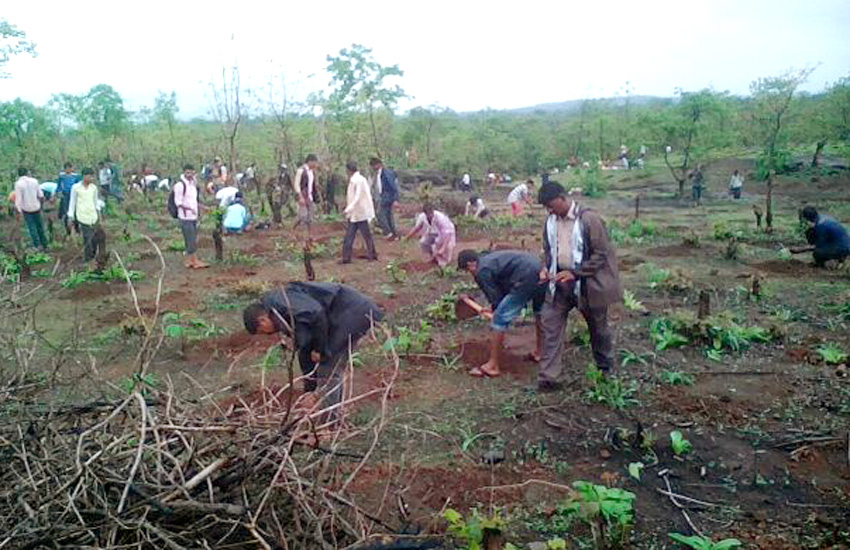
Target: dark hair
(22, 172)
(530, 181)
(188, 166)
(809, 213)
(427, 207)
(549, 192)
(87, 172)
(312, 157)
(473, 199)
(351, 166)
(250, 316)
(465, 258)
(375, 161)
(69, 165)
(238, 195)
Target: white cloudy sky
(462, 55)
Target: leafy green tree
(13, 41)
(358, 83)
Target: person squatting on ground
(303, 185)
(520, 196)
(322, 322)
(360, 211)
(236, 217)
(581, 271)
(829, 239)
(187, 200)
(66, 180)
(438, 236)
(386, 183)
(83, 210)
(28, 197)
(510, 280)
(475, 207)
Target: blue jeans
(36, 229)
(511, 305)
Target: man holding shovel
(510, 279)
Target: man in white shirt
(466, 182)
(225, 195)
(519, 196)
(360, 210)
(28, 197)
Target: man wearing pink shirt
(186, 200)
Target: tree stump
(758, 213)
(493, 540)
(218, 241)
(637, 207)
(756, 291)
(101, 257)
(308, 264)
(732, 249)
(704, 304)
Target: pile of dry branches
(159, 468)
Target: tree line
(355, 117)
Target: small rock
(493, 456)
(605, 453)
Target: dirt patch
(515, 361)
(676, 250)
(417, 267)
(89, 291)
(783, 267)
(238, 343)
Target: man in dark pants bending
(328, 320)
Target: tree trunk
(99, 242)
(768, 216)
(704, 304)
(680, 180)
(818, 150)
(493, 540)
(308, 264)
(374, 131)
(637, 207)
(218, 241)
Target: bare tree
(227, 107)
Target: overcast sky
(461, 55)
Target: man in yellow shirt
(83, 209)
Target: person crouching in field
(520, 196)
(236, 217)
(510, 280)
(581, 271)
(828, 239)
(83, 209)
(438, 236)
(360, 211)
(322, 322)
(187, 200)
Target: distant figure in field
(475, 207)
(466, 182)
(828, 239)
(304, 185)
(697, 184)
(322, 322)
(28, 197)
(510, 280)
(360, 211)
(736, 185)
(187, 199)
(67, 179)
(437, 232)
(520, 196)
(236, 218)
(387, 183)
(624, 156)
(83, 208)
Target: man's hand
(315, 356)
(544, 275)
(564, 277)
(487, 313)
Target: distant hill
(575, 104)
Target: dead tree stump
(756, 291)
(308, 264)
(758, 213)
(637, 207)
(704, 304)
(219, 244)
(101, 257)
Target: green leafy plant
(635, 469)
(395, 271)
(632, 303)
(608, 511)
(608, 390)
(627, 357)
(443, 309)
(676, 378)
(663, 333)
(113, 273)
(408, 340)
(182, 327)
(143, 383)
(680, 445)
(831, 354)
(703, 543)
(472, 530)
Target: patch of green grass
(609, 390)
(676, 378)
(831, 354)
(113, 273)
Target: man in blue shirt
(67, 179)
(237, 218)
(829, 239)
(386, 182)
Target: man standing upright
(303, 184)
(387, 184)
(187, 200)
(581, 269)
(83, 208)
(67, 179)
(104, 176)
(360, 211)
(28, 197)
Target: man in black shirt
(324, 321)
(510, 279)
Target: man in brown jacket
(581, 267)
